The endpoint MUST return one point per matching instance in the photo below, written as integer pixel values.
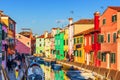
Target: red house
(95, 42)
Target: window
(104, 21)
(40, 39)
(67, 41)
(76, 53)
(102, 38)
(28, 43)
(112, 58)
(40, 51)
(108, 37)
(64, 42)
(3, 35)
(77, 40)
(114, 37)
(74, 40)
(80, 54)
(81, 39)
(114, 18)
(99, 38)
(103, 57)
(40, 45)
(92, 39)
(99, 55)
(19, 36)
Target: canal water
(50, 74)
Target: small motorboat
(57, 67)
(47, 63)
(74, 74)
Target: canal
(54, 71)
(51, 74)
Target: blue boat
(46, 63)
(74, 74)
(57, 67)
(34, 72)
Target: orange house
(110, 43)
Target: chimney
(96, 20)
(1, 13)
(46, 34)
(70, 20)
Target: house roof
(115, 7)
(42, 36)
(84, 21)
(57, 28)
(85, 32)
(49, 35)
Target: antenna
(71, 12)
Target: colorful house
(80, 27)
(52, 42)
(10, 32)
(59, 44)
(47, 44)
(66, 32)
(95, 41)
(40, 44)
(79, 54)
(110, 42)
(3, 44)
(23, 44)
(88, 46)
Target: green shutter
(102, 38)
(78, 40)
(114, 37)
(108, 37)
(81, 39)
(99, 38)
(80, 53)
(104, 21)
(112, 58)
(92, 39)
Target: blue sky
(42, 15)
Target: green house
(59, 45)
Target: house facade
(110, 50)
(23, 44)
(66, 32)
(40, 44)
(79, 28)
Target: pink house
(23, 44)
(110, 43)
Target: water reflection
(51, 74)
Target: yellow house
(79, 55)
(66, 41)
(79, 27)
(47, 48)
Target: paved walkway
(96, 71)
